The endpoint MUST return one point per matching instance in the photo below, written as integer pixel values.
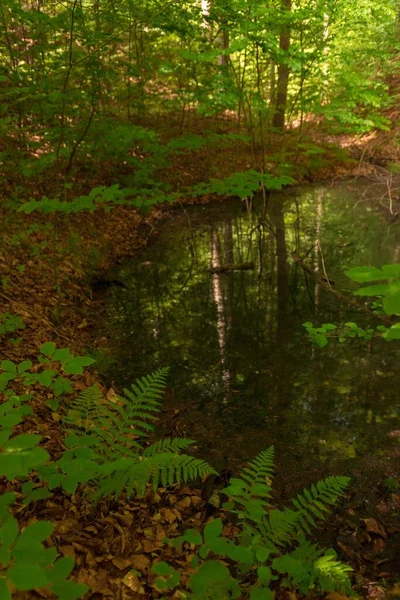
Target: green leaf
(27, 576)
(212, 530)
(69, 590)
(75, 366)
(380, 289)
(243, 555)
(258, 593)
(37, 532)
(24, 366)
(162, 568)
(193, 537)
(393, 333)
(62, 569)
(365, 274)
(264, 575)
(9, 532)
(5, 593)
(22, 442)
(262, 554)
(321, 340)
(48, 349)
(391, 304)
(8, 365)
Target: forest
(199, 299)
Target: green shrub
(271, 545)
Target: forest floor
(47, 279)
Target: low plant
(8, 324)
(271, 548)
(105, 450)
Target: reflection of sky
(243, 374)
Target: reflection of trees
(218, 297)
(243, 342)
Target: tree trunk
(278, 120)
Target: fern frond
(170, 468)
(132, 420)
(84, 409)
(165, 469)
(175, 445)
(278, 527)
(313, 503)
(261, 469)
(333, 575)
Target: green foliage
(320, 336)
(387, 294)
(26, 564)
(243, 185)
(10, 323)
(259, 557)
(30, 374)
(105, 445)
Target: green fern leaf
(313, 503)
(175, 445)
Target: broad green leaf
(162, 568)
(262, 554)
(259, 593)
(75, 366)
(62, 569)
(212, 530)
(391, 304)
(48, 349)
(69, 590)
(193, 537)
(321, 340)
(393, 333)
(380, 289)
(5, 593)
(22, 442)
(9, 532)
(27, 576)
(8, 365)
(242, 555)
(264, 575)
(365, 274)
(24, 366)
(37, 532)
(391, 271)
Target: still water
(243, 374)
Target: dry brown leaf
(168, 515)
(132, 581)
(121, 563)
(66, 526)
(372, 526)
(140, 562)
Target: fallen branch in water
(245, 266)
(327, 286)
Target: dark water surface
(243, 374)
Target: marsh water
(243, 373)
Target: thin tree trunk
(278, 120)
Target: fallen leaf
(140, 562)
(132, 581)
(372, 526)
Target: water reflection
(243, 374)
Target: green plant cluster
(387, 294)
(272, 545)
(104, 454)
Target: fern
(114, 434)
(84, 408)
(313, 503)
(332, 575)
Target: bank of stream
(243, 373)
